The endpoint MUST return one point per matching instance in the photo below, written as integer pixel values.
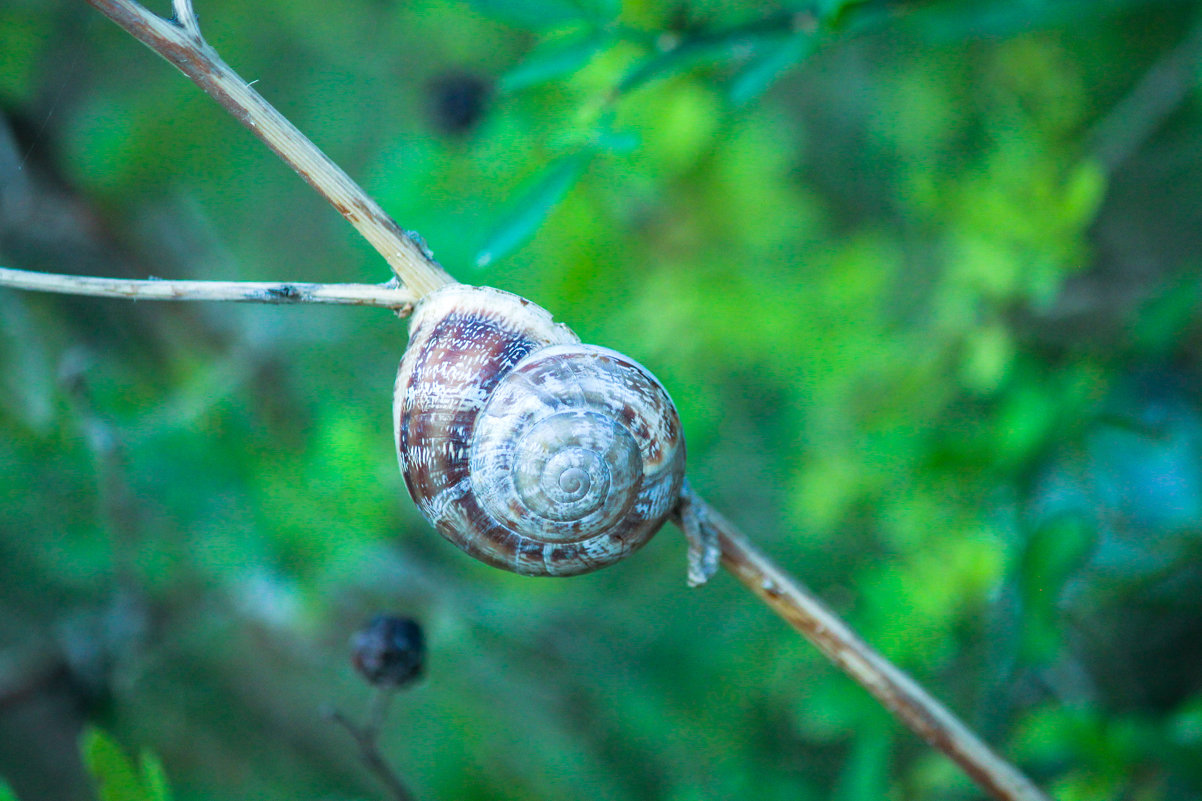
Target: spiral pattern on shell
(527, 449)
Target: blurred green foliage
(117, 777)
(923, 279)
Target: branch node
(418, 240)
(705, 552)
(185, 18)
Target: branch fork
(180, 42)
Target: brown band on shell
(462, 339)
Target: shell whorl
(527, 449)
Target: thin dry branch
(896, 691)
(1140, 114)
(386, 296)
(180, 43)
(367, 738)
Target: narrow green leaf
(858, 20)
(1169, 312)
(1084, 191)
(709, 49)
(154, 778)
(833, 8)
(553, 59)
(692, 53)
(114, 774)
(763, 70)
(1053, 553)
(533, 14)
(532, 208)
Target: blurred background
(923, 279)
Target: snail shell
(525, 448)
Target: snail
(531, 451)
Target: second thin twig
(387, 296)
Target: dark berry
(389, 651)
(457, 102)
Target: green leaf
(701, 51)
(532, 207)
(115, 776)
(1166, 314)
(763, 70)
(1053, 553)
(833, 9)
(539, 14)
(1084, 191)
(6, 792)
(155, 778)
(553, 59)
(710, 48)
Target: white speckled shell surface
(527, 449)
